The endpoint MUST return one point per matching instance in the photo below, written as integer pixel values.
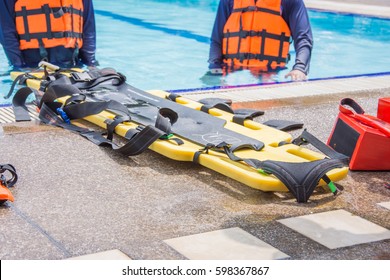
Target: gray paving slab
(225, 244)
(336, 229)
(385, 204)
(22, 238)
(106, 255)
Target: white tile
(385, 204)
(335, 229)
(107, 255)
(226, 244)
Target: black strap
(255, 9)
(263, 34)
(91, 79)
(308, 138)
(24, 14)
(218, 103)
(283, 125)
(241, 115)
(54, 35)
(8, 168)
(301, 178)
(19, 103)
(56, 11)
(19, 79)
(47, 11)
(136, 145)
(172, 96)
(248, 56)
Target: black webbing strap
(54, 35)
(8, 181)
(56, 11)
(284, 125)
(75, 110)
(227, 41)
(19, 79)
(19, 103)
(308, 138)
(281, 43)
(262, 34)
(48, 116)
(88, 80)
(172, 96)
(227, 149)
(244, 56)
(262, 46)
(301, 178)
(136, 145)
(47, 11)
(255, 9)
(241, 115)
(218, 103)
(112, 124)
(240, 38)
(24, 14)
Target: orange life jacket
(256, 35)
(49, 23)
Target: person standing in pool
(61, 32)
(256, 35)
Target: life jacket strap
(260, 57)
(57, 12)
(255, 9)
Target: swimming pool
(165, 44)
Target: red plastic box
(368, 147)
(384, 109)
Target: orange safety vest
(256, 35)
(49, 23)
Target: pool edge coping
(349, 8)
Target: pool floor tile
(106, 255)
(336, 229)
(385, 204)
(225, 244)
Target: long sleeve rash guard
(293, 12)
(57, 55)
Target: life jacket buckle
(251, 9)
(58, 12)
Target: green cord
(261, 171)
(166, 136)
(332, 187)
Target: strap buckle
(3, 180)
(81, 76)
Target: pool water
(165, 45)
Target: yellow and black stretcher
(232, 144)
